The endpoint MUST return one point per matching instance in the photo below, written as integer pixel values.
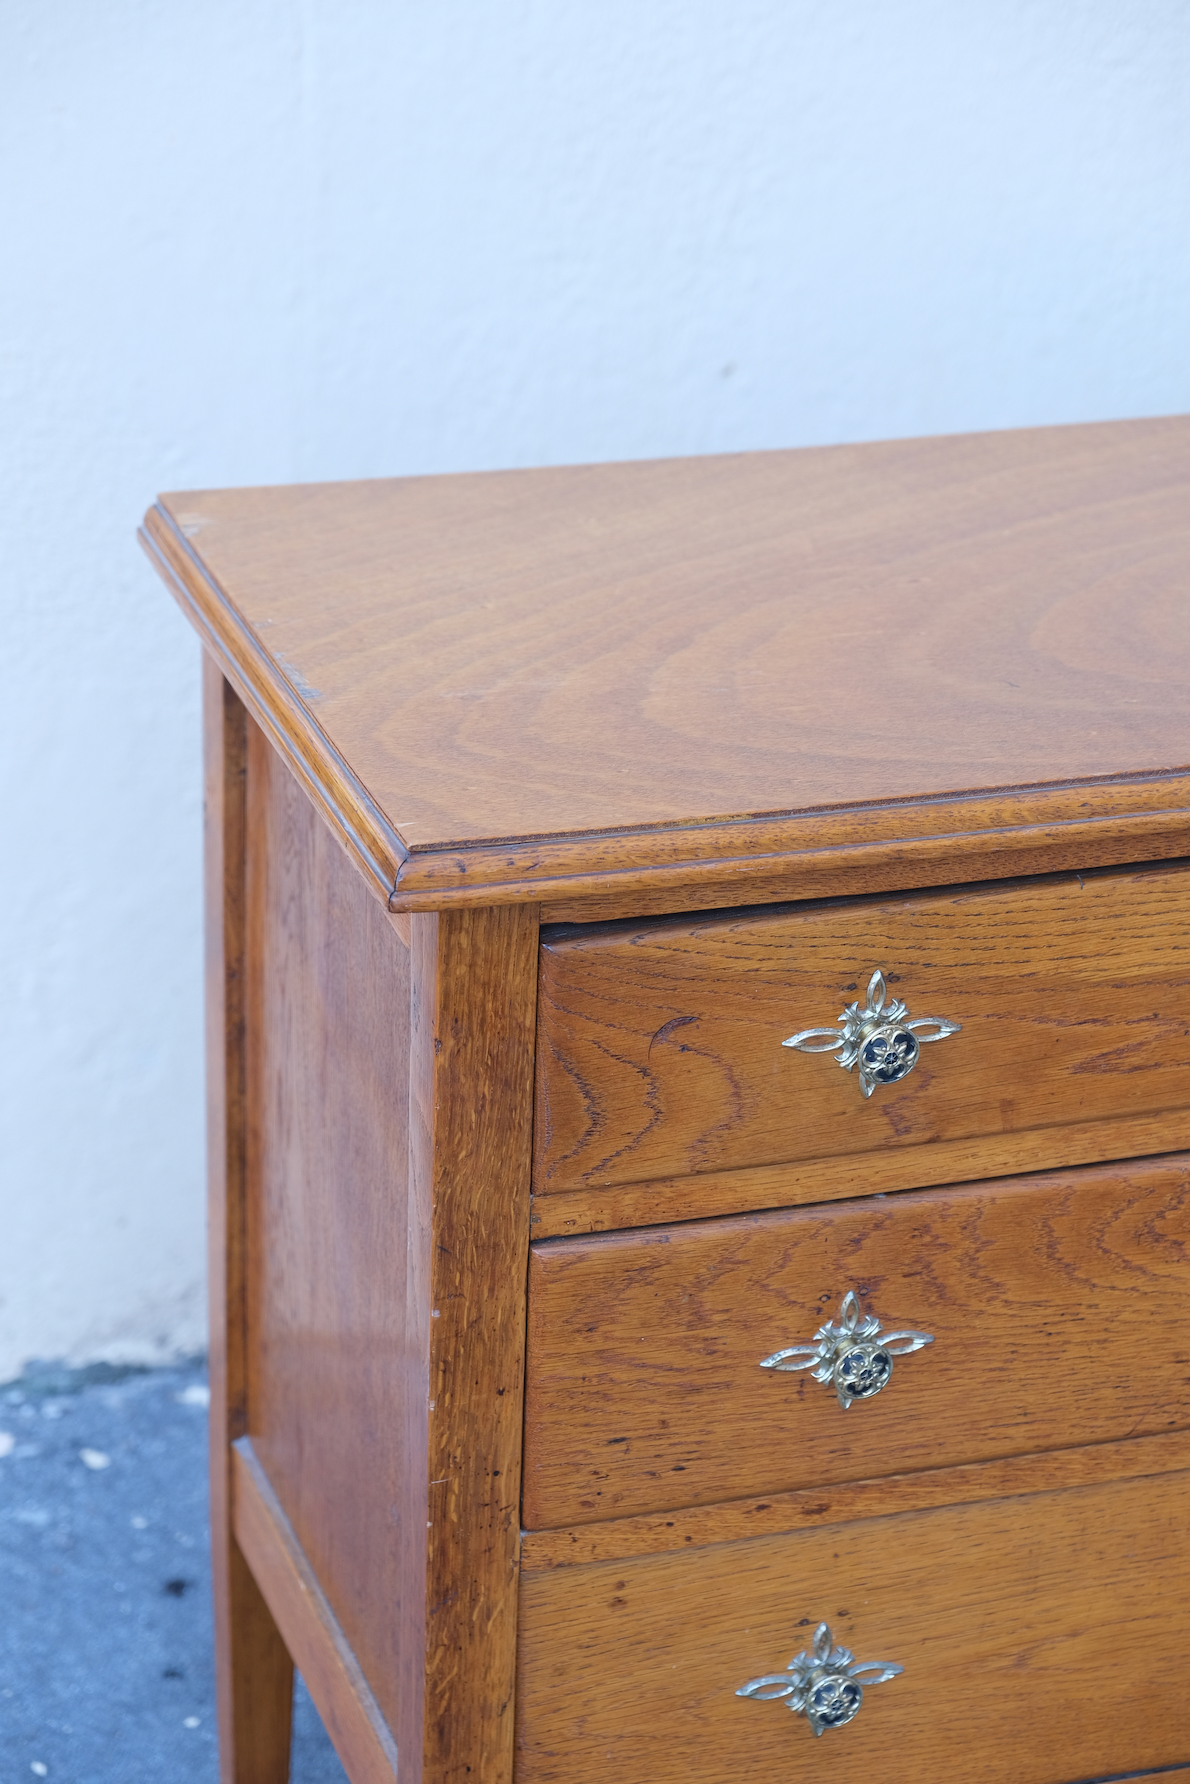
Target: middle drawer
(1058, 1307)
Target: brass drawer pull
(854, 1355)
(826, 1685)
(881, 1038)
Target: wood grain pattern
(644, 689)
(327, 992)
(348, 1709)
(712, 1193)
(773, 1514)
(390, 1096)
(833, 853)
(875, 853)
(279, 712)
(661, 1042)
(474, 994)
(253, 1670)
(644, 1389)
(1032, 1631)
(476, 668)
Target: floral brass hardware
(881, 1038)
(826, 1685)
(855, 1355)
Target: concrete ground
(106, 1673)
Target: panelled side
(389, 1097)
(327, 999)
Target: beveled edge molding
(342, 798)
(817, 853)
(782, 1514)
(820, 852)
(308, 1625)
(912, 865)
(569, 1213)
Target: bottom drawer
(1043, 1640)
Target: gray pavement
(106, 1672)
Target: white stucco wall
(337, 238)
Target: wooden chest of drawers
(597, 1377)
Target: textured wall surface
(342, 238)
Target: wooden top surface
(489, 673)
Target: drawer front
(1059, 1307)
(660, 1044)
(1042, 1640)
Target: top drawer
(660, 1048)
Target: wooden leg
(253, 1670)
(253, 1678)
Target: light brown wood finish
(277, 707)
(594, 669)
(253, 1670)
(846, 854)
(1033, 1632)
(474, 993)
(644, 1386)
(820, 854)
(662, 1043)
(327, 991)
(352, 1717)
(774, 1514)
(621, 690)
(869, 1173)
(388, 1243)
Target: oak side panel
(661, 1044)
(345, 1700)
(474, 996)
(1029, 1630)
(328, 1076)
(644, 1385)
(253, 1670)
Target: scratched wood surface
(644, 1386)
(1040, 1638)
(559, 677)
(660, 1043)
(771, 1514)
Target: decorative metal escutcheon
(882, 1038)
(826, 1686)
(855, 1355)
